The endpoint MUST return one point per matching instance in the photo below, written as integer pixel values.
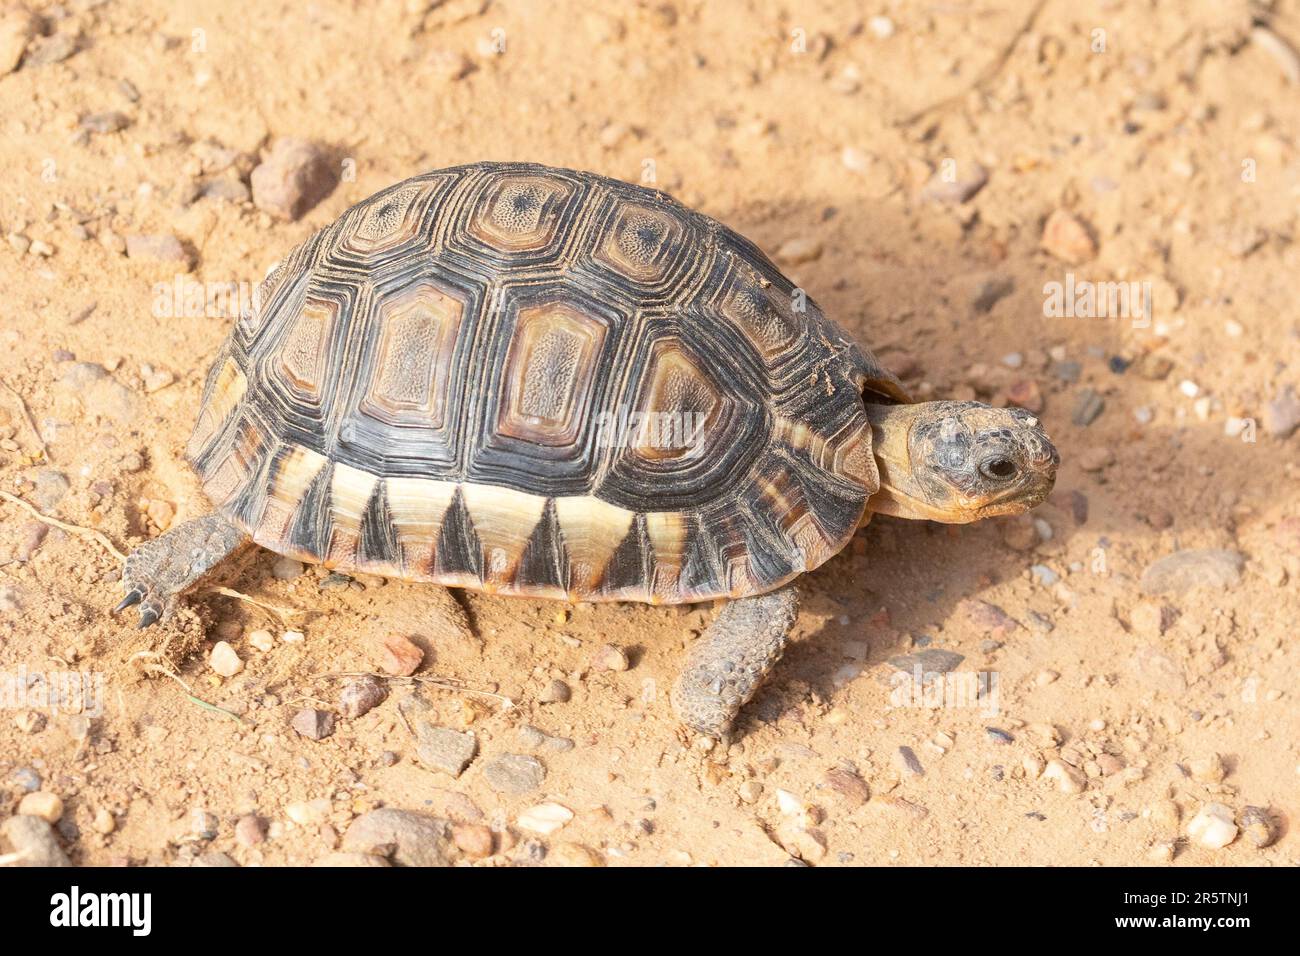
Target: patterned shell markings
(541, 382)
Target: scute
(542, 382)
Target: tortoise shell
(541, 382)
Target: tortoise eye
(998, 469)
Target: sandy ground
(1151, 143)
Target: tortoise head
(959, 461)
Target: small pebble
(443, 749)
(293, 178)
(313, 724)
(410, 838)
(1044, 575)
(970, 177)
(1176, 573)
(556, 692)
(1208, 769)
(473, 839)
(360, 695)
(1213, 827)
(224, 660)
(156, 248)
(545, 818)
(1281, 416)
(882, 27)
(42, 804)
(250, 830)
(908, 761)
(399, 656)
(111, 121)
(1087, 408)
(1068, 238)
(513, 774)
(610, 657)
(34, 840)
(308, 813)
(848, 786)
(1068, 779)
(1257, 825)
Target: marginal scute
(503, 519)
(226, 391)
(540, 382)
(854, 460)
(350, 491)
(591, 530)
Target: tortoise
(542, 382)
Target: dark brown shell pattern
(540, 382)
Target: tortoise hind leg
(726, 666)
(159, 571)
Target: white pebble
(545, 818)
(1013, 360)
(308, 812)
(293, 637)
(855, 159)
(789, 804)
(882, 27)
(224, 660)
(262, 640)
(1068, 780)
(1213, 827)
(1189, 388)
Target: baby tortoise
(541, 382)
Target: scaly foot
(159, 571)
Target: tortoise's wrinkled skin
(542, 382)
(446, 385)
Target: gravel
(514, 774)
(1182, 571)
(406, 837)
(34, 839)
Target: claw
(133, 597)
(147, 616)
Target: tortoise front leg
(159, 571)
(729, 662)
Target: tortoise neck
(899, 494)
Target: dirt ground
(1139, 708)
